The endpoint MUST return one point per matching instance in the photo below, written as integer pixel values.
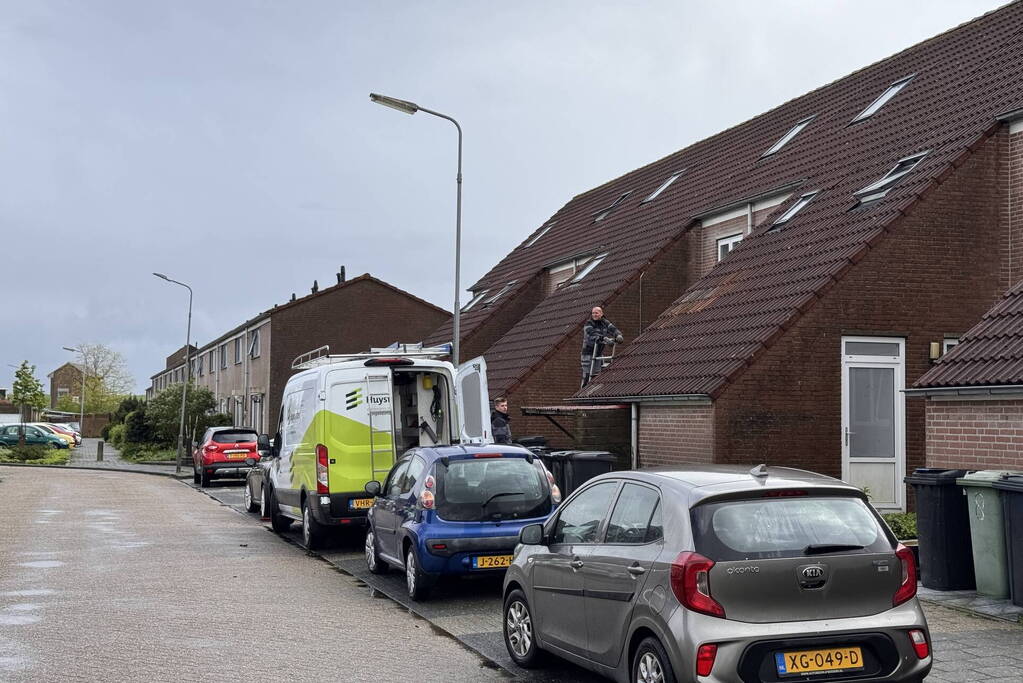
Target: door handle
(576, 563)
(636, 570)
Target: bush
(115, 435)
(903, 524)
(105, 432)
(35, 455)
(137, 452)
(136, 427)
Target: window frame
(552, 527)
(504, 290)
(223, 356)
(880, 188)
(663, 186)
(601, 214)
(788, 136)
(587, 268)
(658, 505)
(884, 98)
(238, 355)
(476, 298)
(730, 241)
(255, 346)
(798, 206)
(535, 238)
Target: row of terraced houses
(782, 284)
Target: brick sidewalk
(85, 457)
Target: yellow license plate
(818, 661)
(360, 503)
(491, 561)
(237, 456)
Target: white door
(873, 418)
(472, 398)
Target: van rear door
(358, 427)
(472, 398)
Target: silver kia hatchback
(717, 573)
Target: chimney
(292, 296)
(316, 287)
(341, 275)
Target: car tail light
(690, 582)
(907, 589)
(705, 659)
(210, 447)
(784, 493)
(439, 546)
(426, 499)
(555, 491)
(919, 640)
(322, 478)
(430, 482)
(488, 455)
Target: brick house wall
(673, 434)
(509, 313)
(1014, 171)
(975, 434)
(65, 380)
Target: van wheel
(519, 634)
(374, 562)
(651, 664)
(250, 504)
(417, 581)
(205, 478)
(278, 522)
(313, 533)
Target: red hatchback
(224, 452)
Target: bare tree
(107, 378)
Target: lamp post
(81, 419)
(188, 371)
(411, 108)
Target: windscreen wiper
(504, 493)
(819, 548)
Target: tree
(164, 412)
(107, 378)
(27, 391)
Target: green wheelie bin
(987, 530)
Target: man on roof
(598, 334)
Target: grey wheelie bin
(578, 467)
(1011, 488)
(943, 529)
(987, 531)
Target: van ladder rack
(322, 356)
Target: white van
(345, 419)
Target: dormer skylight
(590, 265)
(476, 298)
(605, 212)
(543, 231)
(785, 139)
(795, 208)
(880, 188)
(888, 94)
(664, 186)
(501, 293)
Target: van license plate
(491, 561)
(819, 661)
(360, 503)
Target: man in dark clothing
(598, 332)
(499, 421)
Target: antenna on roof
(759, 471)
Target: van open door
(472, 398)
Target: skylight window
(785, 139)
(540, 234)
(593, 263)
(796, 208)
(888, 94)
(664, 186)
(880, 188)
(476, 298)
(604, 213)
(499, 294)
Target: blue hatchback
(455, 510)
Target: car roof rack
(322, 355)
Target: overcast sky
(232, 144)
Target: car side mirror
(373, 488)
(531, 534)
(263, 445)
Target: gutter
(673, 398)
(989, 390)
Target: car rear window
(491, 489)
(234, 437)
(785, 527)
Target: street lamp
(407, 107)
(188, 371)
(81, 419)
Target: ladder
(322, 355)
(604, 361)
(381, 423)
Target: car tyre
(374, 562)
(278, 522)
(251, 505)
(264, 502)
(519, 635)
(313, 534)
(205, 478)
(52, 446)
(196, 477)
(417, 582)
(651, 663)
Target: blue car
(455, 510)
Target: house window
(199, 365)
(948, 343)
(796, 208)
(664, 186)
(586, 269)
(223, 356)
(571, 272)
(497, 296)
(254, 346)
(476, 298)
(888, 94)
(726, 244)
(63, 391)
(543, 231)
(880, 188)
(605, 212)
(213, 360)
(785, 139)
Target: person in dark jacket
(597, 333)
(499, 421)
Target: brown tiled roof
(990, 354)
(963, 79)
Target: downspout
(245, 397)
(749, 218)
(635, 435)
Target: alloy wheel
(306, 531)
(248, 497)
(649, 669)
(520, 628)
(371, 556)
(410, 572)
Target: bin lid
(934, 476)
(985, 478)
(584, 455)
(1010, 482)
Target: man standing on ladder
(598, 333)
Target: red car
(224, 452)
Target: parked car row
(40, 434)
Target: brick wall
(672, 435)
(67, 377)
(509, 312)
(1014, 171)
(975, 435)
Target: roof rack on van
(322, 356)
